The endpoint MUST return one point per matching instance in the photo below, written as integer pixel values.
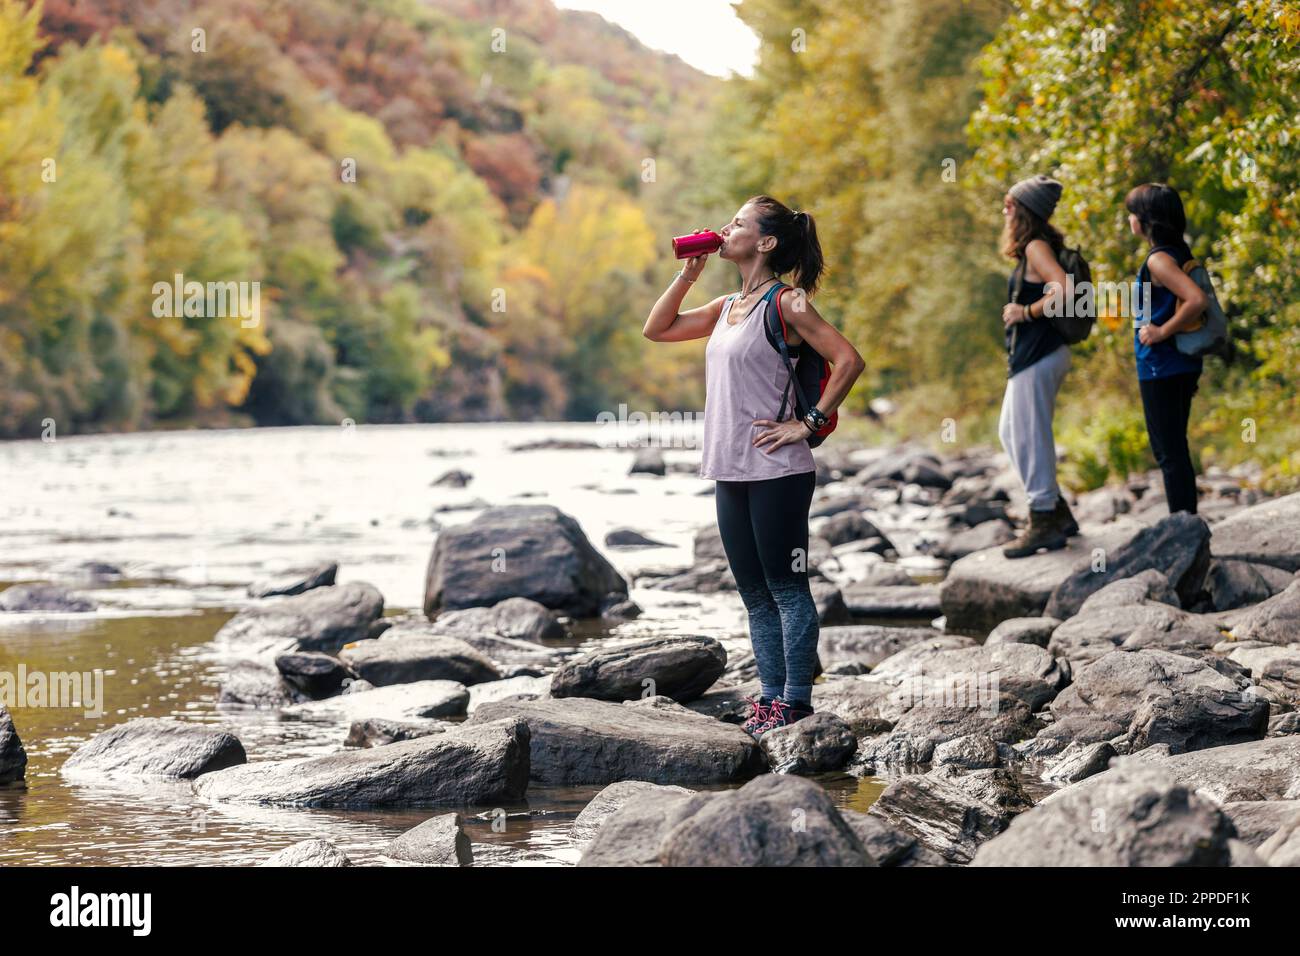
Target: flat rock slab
(1022, 670)
(322, 619)
(440, 841)
(425, 698)
(577, 740)
(986, 588)
(483, 764)
(1267, 769)
(868, 644)
(907, 600)
(154, 747)
(1149, 819)
(1266, 533)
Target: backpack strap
(776, 329)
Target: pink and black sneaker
(758, 714)
(782, 713)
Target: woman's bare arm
(666, 324)
(1193, 300)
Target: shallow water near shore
(192, 517)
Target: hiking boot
(757, 716)
(1045, 530)
(783, 714)
(1069, 526)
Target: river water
(192, 517)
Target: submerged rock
(439, 841)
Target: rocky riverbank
(1155, 662)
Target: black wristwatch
(814, 419)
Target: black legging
(1167, 403)
(764, 528)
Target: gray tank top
(744, 380)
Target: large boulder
(154, 747)
(481, 764)
(578, 740)
(1177, 545)
(1275, 621)
(1134, 817)
(1164, 698)
(532, 551)
(308, 853)
(13, 758)
(1267, 769)
(401, 655)
(682, 668)
(322, 619)
(773, 820)
(986, 587)
(1266, 533)
(438, 841)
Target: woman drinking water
(764, 468)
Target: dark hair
(797, 247)
(1159, 210)
(1024, 227)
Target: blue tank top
(1162, 359)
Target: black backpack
(1076, 324)
(808, 378)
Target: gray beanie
(1038, 194)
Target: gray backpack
(1211, 338)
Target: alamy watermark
(66, 690)
(965, 690)
(639, 429)
(212, 300)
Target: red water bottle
(696, 244)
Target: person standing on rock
(764, 469)
(1037, 360)
(1167, 378)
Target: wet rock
(1150, 819)
(593, 816)
(524, 686)
(1148, 585)
(295, 581)
(1165, 698)
(1078, 760)
(985, 588)
(578, 740)
(631, 834)
(1238, 584)
(402, 656)
(927, 724)
(153, 747)
(1266, 533)
(1075, 729)
(43, 597)
(947, 814)
(908, 601)
(888, 845)
(1275, 621)
(439, 841)
(868, 644)
(1267, 769)
(648, 461)
(314, 674)
(517, 618)
(547, 559)
(258, 685)
(1257, 820)
(1177, 545)
(620, 610)
(13, 758)
(678, 667)
(819, 743)
(1024, 630)
(483, 763)
(418, 699)
(309, 853)
(631, 538)
(322, 619)
(376, 731)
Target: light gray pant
(1026, 426)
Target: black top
(1032, 339)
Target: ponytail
(797, 249)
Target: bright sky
(707, 34)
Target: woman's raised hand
(693, 266)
